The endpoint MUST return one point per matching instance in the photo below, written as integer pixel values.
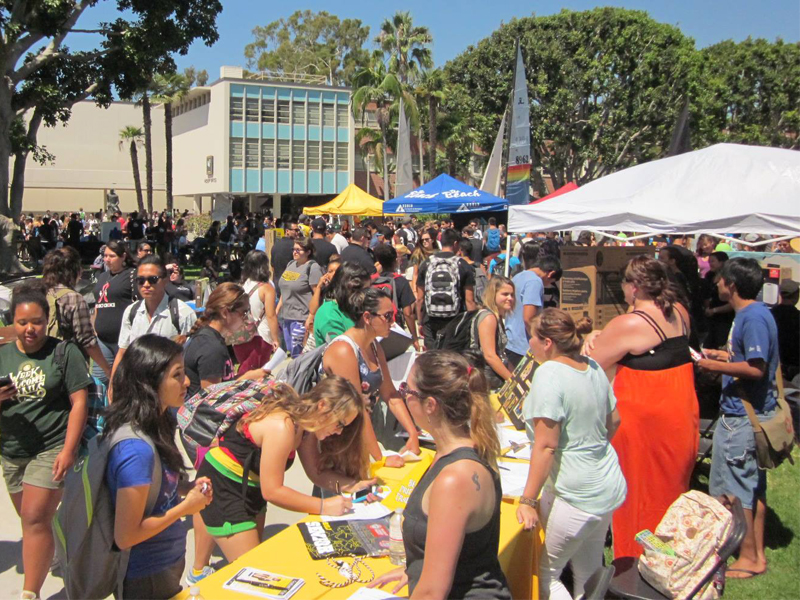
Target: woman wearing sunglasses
(297, 285)
(356, 356)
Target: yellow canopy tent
(352, 201)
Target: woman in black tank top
(453, 515)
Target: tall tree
(430, 89)
(132, 137)
(606, 87)
(147, 121)
(195, 77)
(169, 88)
(407, 45)
(42, 78)
(312, 44)
(750, 93)
(376, 90)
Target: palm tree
(408, 46)
(376, 85)
(132, 136)
(144, 102)
(169, 88)
(431, 88)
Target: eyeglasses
(427, 240)
(387, 316)
(406, 391)
(297, 250)
(152, 280)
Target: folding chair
(628, 583)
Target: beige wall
(89, 161)
(196, 135)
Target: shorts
(34, 470)
(734, 469)
(228, 512)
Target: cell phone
(361, 494)
(696, 356)
(5, 380)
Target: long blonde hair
(344, 453)
(463, 393)
(490, 294)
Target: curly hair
(650, 276)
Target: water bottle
(397, 551)
(194, 593)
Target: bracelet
(532, 502)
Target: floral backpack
(686, 545)
(249, 328)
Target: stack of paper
(362, 511)
(513, 477)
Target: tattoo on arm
(476, 482)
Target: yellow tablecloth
(285, 553)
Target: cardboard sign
(513, 393)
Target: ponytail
(650, 276)
(230, 296)
(463, 394)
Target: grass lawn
(781, 581)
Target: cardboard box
(591, 285)
(605, 258)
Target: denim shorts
(734, 469)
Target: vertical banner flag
(518, 174)
(404, 179)
(492, 175)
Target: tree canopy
(44, 78)
(310, 43)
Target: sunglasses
(387, 316)
(152, 280)
(406, 391)
(427, 240)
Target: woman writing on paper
(451, 530)
(323, 427)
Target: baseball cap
(319, 224)
(334, 227)
(789, 287)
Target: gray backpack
(92, 564)
(305, 371)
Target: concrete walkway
(11, 540)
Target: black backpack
(457, 334)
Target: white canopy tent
(722, 189)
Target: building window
(342, 115)
(284, 116)
(342, 156)
(327, 155)
(267, 154)
(252, 110)
(237, 107)
(267, 110)
(284, 156)
(237, 150)
(298, 154)
(313, 156)
(251, 154)
(299, 113)
(313, 113)
(328, 115)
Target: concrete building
(89, 161)
(264, 143)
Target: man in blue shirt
(529, 288)
(748, 370)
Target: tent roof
(352, 201)
(727, 188)
(443, 194)
(562, 190)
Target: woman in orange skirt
(654, 384)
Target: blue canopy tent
(444, 195)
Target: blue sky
(455, 24)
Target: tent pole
(508, 254)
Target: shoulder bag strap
(751, 414)
(127, 432)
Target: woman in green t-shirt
(42, 417)
(331, 318)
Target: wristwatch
(532, 502)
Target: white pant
(570, 535)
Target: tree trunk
(20, 161)
(421, 154)
(137, 179)
(385, 164)
(148, 151)
(432, 137)
(6, 118)
(168, 135)
(451, 160)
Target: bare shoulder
(463, 479)
(275, 427)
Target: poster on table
(513, 393)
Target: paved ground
(11, 540)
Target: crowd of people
(613, 414)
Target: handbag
(249, 328)
(774, 438)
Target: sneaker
(191, 578)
